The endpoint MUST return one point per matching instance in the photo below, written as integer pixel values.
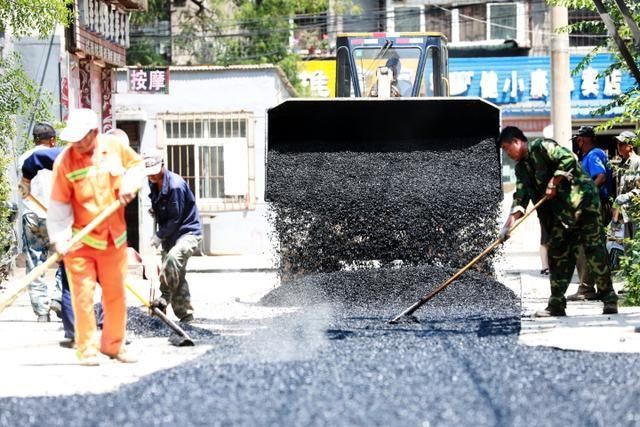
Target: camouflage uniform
(627, 174)
(36, 249)
(572, 218)
(173, 282)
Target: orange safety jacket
(90, 183)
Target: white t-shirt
(40, 184)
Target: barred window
(198, 146)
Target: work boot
(43, 318)
(550, 311)
(90, 360)
(124, 356)
(585, 293)
(610, 307)
(187, 319)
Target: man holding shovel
(571, 216)
(92, 173)
(179, 233)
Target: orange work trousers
(85, 267)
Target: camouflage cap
(627, 137)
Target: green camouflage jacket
(546, 159)
(627, 173)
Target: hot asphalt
(326, 363)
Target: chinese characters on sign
(511, 87)
(149, 80)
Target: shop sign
(148, 80)
(522, 85)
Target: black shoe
(68, 344)
(43, 318)
(551, 312)
(610, 307)
(544, 272)
(187, 319)
(56, 307)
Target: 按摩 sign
(148, 80)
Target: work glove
(24, 188)
(504, 232)
(62, 247)
(615, 225)
(156, 242)
(159, 303)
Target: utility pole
(560, 75)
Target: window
(589, 35)
(502, 21)
(490, 22)
(438, 20)
(401, 62)
(198, 148)
(407, 19)
(472, 24)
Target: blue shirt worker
(178, 234)
(595, 163)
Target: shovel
(152, 272)
(407, 315)
(184, 340)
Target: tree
(623, 38)
(149, 37)
(629, 101)
(258, 32)
(19, 95)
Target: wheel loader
(362, 179)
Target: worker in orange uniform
(89, 175)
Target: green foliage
(146, 39)
(630, 100)
(18, 98)
(630, 262)
(19, 95)
(26, 16)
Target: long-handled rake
(407, 314)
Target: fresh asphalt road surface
(340, 364)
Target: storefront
(96, 41)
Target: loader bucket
(360, 183)
(365, 124)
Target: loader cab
(389, 65)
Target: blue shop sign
(522, 85)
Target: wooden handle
(39, 270)
(409, 311)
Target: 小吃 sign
(149, 80)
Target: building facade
(210, 125)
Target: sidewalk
(584, 328)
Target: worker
(627, 176)
(179, 234)
(91, 174)
(571, 215)
(35, 240)
(392, 65)
(595, 163)
(42, 160)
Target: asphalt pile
(386, 291)
(432, 203)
